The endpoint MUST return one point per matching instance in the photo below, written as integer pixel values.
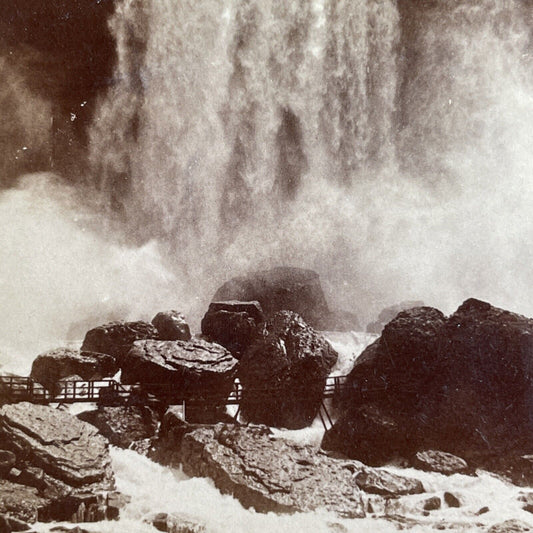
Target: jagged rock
(50, 367)
(117, 338)
(451, 500)
(123, 425)
(232, 324)
(389, 313)
(7, 461)
(31, 476)
(510, 526)
(441, 462)
(176, 523)
(279, 289)
(483, 510)
(366, 433)
(9, 524)
(387, 484)
(283, 372)
(271, 474)
(432, 504)
(172, 326)
(72, 455)
(425, 369)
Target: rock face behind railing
(283, 372)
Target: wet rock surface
(117, 338)
(62, 467)
(232, 324)
(123, 425)
(270, 474)
(176, 523)
(425, 369)
(54, 365)
(382, 482)
(441, 462)
(196, 366)
(283, 372)
(172, 326)
(68, 450)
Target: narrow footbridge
(15, 389)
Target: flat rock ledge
(274, 475)
(60, 468)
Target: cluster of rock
(443, 394)
(461, 384)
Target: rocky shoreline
(449, 395)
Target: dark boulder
(462, 385)
(123, 426)
(271, 474)
(19, 502)
(232, 324)
(54, 365)
(196, 369)
(117, 338)
(172, 326)
(279, 289)
(366, 433)
(389, 313)
(283, 372)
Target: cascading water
(355, 138)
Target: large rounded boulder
(195, 370)
(117, 338)
(172, 326)
(461, 384)
(232, 324)
(279, 289)
(283, 372)
(54, 365)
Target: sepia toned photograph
(266, 266)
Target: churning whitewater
(385, 144)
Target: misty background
(152, 149)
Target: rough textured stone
(462, 385)
(20, 502)
(510, 526)
(176, 523)
(441, 462)
(283, 372)
(387, 484)
(432, 504)
(232, 324)
(366, 433)
(123, 425)
(7, 461)
(451, 500)
(279, 289)
(172, 326)
(117, 338)
(70, 452)
(270, 474)
(49, 367)
(192, 367)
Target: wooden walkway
(15, 389)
